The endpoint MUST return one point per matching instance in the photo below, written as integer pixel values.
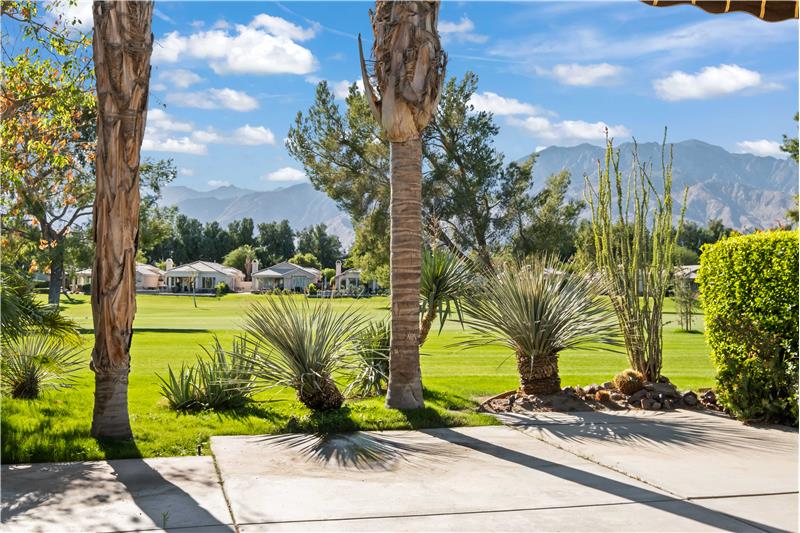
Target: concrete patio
(678, 471)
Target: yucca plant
(444, 280)
(33, 363)
(538, 309)
(222, 380)
(371, 360)
(294, 344)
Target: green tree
(549, 225)
(790, 145)
(217, 242)
(241, 232)
(316, 241)
(305, 260)
(241, 258)
(275, 241)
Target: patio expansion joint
(224, 492)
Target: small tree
(686, 301)
(634, 242)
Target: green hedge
(749, 287)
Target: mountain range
(745, 191)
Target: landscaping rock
(668, 390)
(663, 379)
(709, 397)
(689, 399)
(609, 385)
(637, 397)
(580, 392)
(569, 390)
(591, 389)
(648, 385)
(650, 405)
(618, 396)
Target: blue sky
(229, 77)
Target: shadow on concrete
(362, 451)
(694, 428)
(620, 489)
(66, 489)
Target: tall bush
(749, 286)
(634, 241)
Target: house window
(208, 283)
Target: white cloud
(282, 27)
(219, 183)
(163, 16)
(180, 78)
(214, 99)
(710, 82)
(253, 135)
(265, 46)
(183, 171)
(80, 13)
(567, 131)
(162, 121)
(584, 75)
(461, 31)
(285, 174)
(341, 89)
(500, 105)
(762, 147)
(182, 145)
(207, 136)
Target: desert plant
(445, 278)
(629, 381)
(220, 381)
(311, 289)
(686, 301)
(277, 291)
(634, 243)
(221, 288)
(294, 344)
(33, 363)
(749, 286)
(371, 359)
(538, 309)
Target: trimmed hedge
(749, 287)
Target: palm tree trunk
(405, 381)
(123, 43)
(538, 375)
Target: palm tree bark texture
(123, 43)
(409, 69)
(538, 375)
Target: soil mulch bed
(652, 397)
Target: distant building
(350, 279)
(285, 275)
(148, 277)
(202, 277)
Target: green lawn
(170, 330)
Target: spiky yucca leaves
(629, 381)
(444, 280)
(538, 309)
(371, 360)
(33, 363)
(222, 380)
(294, 344)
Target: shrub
(294, 344)
(221, 288)
(312, 289)
(33, 363)
(629, 381)
(286, 292)
(86, 288)
(277, 291)
(220, 381)
(602, 396)
(749, 286)
(444, 281)
(538, 309)
(371, 360)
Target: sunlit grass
(170, 330)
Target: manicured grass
(170, 330)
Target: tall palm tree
(409, 69)
(123, 43)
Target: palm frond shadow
(701, 429)
(359, 450)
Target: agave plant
(371, 359)
(294, 344)
(538, 309)
(33, 363)
(444, 280)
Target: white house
(203, 276)
(148, 277)
(285, 276)
(350, 279)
